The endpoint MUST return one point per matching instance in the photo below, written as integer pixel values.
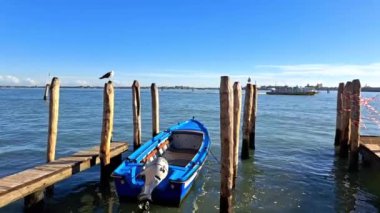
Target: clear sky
(190, 42)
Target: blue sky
(190, 42)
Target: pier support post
(227, 143)
(339, 112)
(106, 135)
(237, 114)
(35, 201)
(155, 110)
(346, 119)
(252, 134)
(355, 126)
(54, 91)
(46, 94)
(136, 108)
(248, 102)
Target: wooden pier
(348, 141)
(32, 184)
(370, 149)
(24, 183)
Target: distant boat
(163, 169)
(292, 91)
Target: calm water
(294, 168)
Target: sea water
(293, 169)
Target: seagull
(107, 75)
(249, 79)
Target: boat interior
(179, 149)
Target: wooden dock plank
(21, 184)
(370, 147)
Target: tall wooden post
(339, 112)
(53, 119)
(237, 114)
(35, 201)
(346, 119)
(107, 129)
(248, 102)
(252, 134)
(227, 142)
(155, 110)
(136, 108)
(46, 94)
(355, 126)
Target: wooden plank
(19, 185)
(370, 149)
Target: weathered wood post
(107, 129)
(136, 108)
(237, 114)
(34, 201)
(53, 119)
(227, 143)
(248, 102)
(355, 126)
(346, 119)
(339, 112)
(252, 134)
(155, 110)
(46, 94)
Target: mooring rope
(215, 158)
(373, 114)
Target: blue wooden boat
(184, 146)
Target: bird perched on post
(108, 75)
(249, 79)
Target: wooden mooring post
(252, 134)
(227, 143)
(339, 112)
(34, 201)
(355, 126)
(346, 119)
(107, 129)
(248, 103)
(237, 115)
(155, 110)
(46, 94)
(53, 119)
(136, 108)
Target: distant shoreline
(364, 89)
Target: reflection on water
(293, 169)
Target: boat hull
(174, 188)
(167, 193)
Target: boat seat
(179, 157)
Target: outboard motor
(154, 173)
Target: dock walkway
(370, 147)
(21, 184)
